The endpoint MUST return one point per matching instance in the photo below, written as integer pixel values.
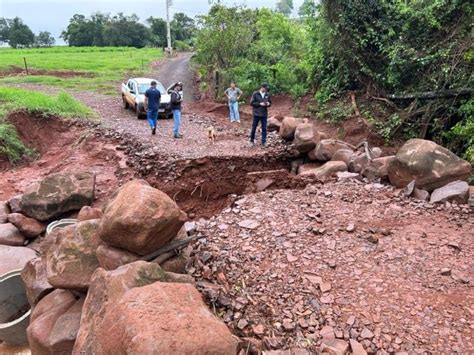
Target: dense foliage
(120, 30)
(16, 33)
(251, 46)
(411, 61)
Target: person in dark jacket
(152, 104)
(260, 103)
(176, 99)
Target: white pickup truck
(133, 96)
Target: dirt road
(174, 70)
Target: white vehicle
(133, 95)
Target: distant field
(87, 68)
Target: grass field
(107, 66)
(12, 99)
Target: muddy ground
(282, 263)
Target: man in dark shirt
(152, 103)
(260, 102)
(176, 100)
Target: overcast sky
(54, 15)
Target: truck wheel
(139, 111)
(125, 103)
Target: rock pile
(425, 165)
(89, 276)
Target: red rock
(334, 346)
(344, 155)
(44, 317)
(326, 149)
(64, 333)
(72, 259)
(357, 348)
(456, 191)
(140, 218)
(4, 212)
(30, 227)
(150, 320)
(111, 258)
(10, 235)
(306, 137)
(273, 124)
(377, 168)
(288, 127)
(57, 194)
(35, 280)
(326, 170)
(327, 332)
(429, 164)
(86, 213)
(258, 329)
(106, 289)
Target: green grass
(108, 65)
(34, 102)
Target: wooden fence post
(26, 65)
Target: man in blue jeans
(152, 103)
(233, 95)
(176, 99)
(260, 103)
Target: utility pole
(168, 29)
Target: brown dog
(211, 134)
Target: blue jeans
(177, 121)
(152, 116)
(234, 111)
(256, 120)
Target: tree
(79, 32)
(158, 30)
(182, 27)
(4, 29)
(19, 34)
(285, 7)
(225, 35)
(44, 39)
(126, 31)
(306, 7)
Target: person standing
(176, 99)
(152, 104)
(233, 94)
(260, 103)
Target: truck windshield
(144, 87)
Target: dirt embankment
(14, 71)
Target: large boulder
(106, 289)
(111, 258)
(139, 317)
(344, 155)
(305, 168)
(326, 148)
(429, 164)
(273, 124)
(87, 212)
(44, 318)
(288, 127)
(326, 170)
(4, 211)
(11, 235)
(57, 194)
(456, 191)
(72, 259)
(140, 218)
(306, 137)
(14, 204)
(30, 227)
(14, 258)
(64, 332)
(377, 168)
(35, 280)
